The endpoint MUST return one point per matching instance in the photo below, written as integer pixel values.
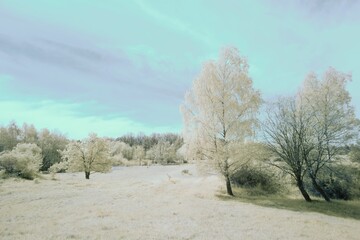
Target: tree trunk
(301, 187)
(319, 188)
(87, 175)
(228, 187)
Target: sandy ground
(149, 203)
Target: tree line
(24, 151)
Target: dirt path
(149, 203)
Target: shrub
(339, 189)
(119, 160)
(256, 178)
(2, 174)
(339, 182)
(23, 161)
(185, 171)
(354, 154)
(59, 167)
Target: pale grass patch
(141, 203)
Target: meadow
(160, 202)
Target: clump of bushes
(257, 179)
(59, 167)
(118, 160)
(23, 161)
(339, 182)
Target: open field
(157, 202)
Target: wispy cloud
(67, 67)
(61, 55)
(173, 23)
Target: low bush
(339, 182)
(23, 161)
(354, 154)
(2, 174)
(59, 167)
(118, 160)
(260, 180)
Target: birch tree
(333, 120)
(307, 130)
(220, 111)
(91, 154)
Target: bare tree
(91, 154)
(287, 135)
(220, 111)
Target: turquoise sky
(113, 67)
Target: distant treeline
(149, 141)
(154, 148)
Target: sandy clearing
(150, 203)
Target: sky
(119, 66)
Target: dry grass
(142, 203)
(338, 208)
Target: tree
(307, 130)
(139, 153)
(29, 134)
(220, 110)
(164, 152)
(9, 136)
(287, 135)
(333, 120)
(24, 160)
(116, 148)
(51, 144)
(91, 154)
(127, 151)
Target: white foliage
(330, 105)
(222, 103)
(91, 154)
(24, 160)
(220, 110)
